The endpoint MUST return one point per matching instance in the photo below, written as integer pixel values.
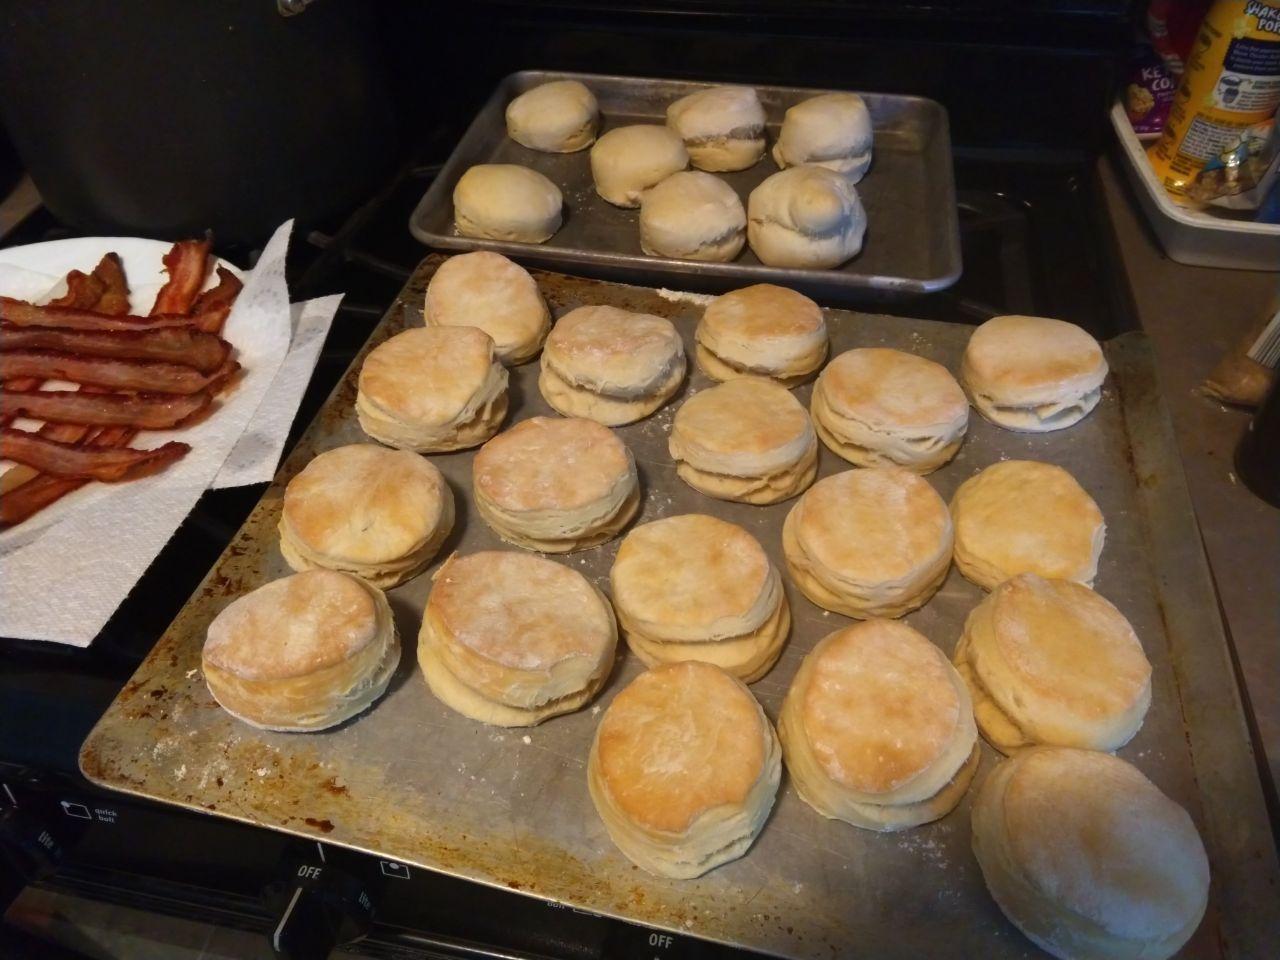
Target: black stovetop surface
(1034, 241)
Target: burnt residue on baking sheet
(413, 782)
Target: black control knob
(29, 851)
(318, 908)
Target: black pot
(167, 119)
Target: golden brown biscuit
(879, 407)
(874, 542)
(1088, 857)
(363, 509)
(762, 330)
(432, 390)
(1050, 661)
(1033, 373)
(611, 365)
(694, 586)
(748, 440)
(304, 652)
(486, 290)
(556, 485)
(1022, 516)
(512, 639)
(877, 728)
(683, 769)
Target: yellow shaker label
(1232, 83)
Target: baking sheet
(912, 244)
(413, 782)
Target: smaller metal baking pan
(912, 244)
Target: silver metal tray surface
(912, 244)
(413, 782)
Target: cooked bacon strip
(184, 345)
(51, 430)
(115, 295)
(83, 291)
(214, 305)
(108, 464)
(103, 291)
(145, 375)
(32, 496)
(187, 262)
(25, 314)
(38, 490)
(222, 295)
(142, 411)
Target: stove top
(1032, 240)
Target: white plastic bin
(1190, 236)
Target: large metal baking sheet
(913, 235)
(411, 781)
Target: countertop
(1192, 316)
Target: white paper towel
(62, 578)
(257, 453)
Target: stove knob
(29, 851)
(319, 908)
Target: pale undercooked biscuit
(512, 639)
(692, 216)
(627, 161)
(832, 130)
(1088, 857)
(877, 729)
(556, 484)
(874, 406)
(1051, 662)
(432, 389)
(684, 769)
(1022, 516)
(762, 330)
(611, 365)
(722, 127)
(697, 587)
(486, 290)
(305, 652)
(363, 509)
(557, 117)
(805, 217)
(504, 201)
(874, 542)
(1033, 373)
(747, 439)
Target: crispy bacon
(145, 375)
(108, 464)
(115, 294)
(184, 345)
(51, 430)
(222, 295)
(24, 314)
(33, 495)
(181, 313)
(214, 305)
(31, 491)
(187, 262)
(142, 411)
(83, 291)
